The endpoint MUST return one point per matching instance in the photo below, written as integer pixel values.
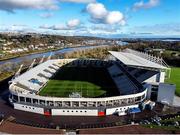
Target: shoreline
(45, 51)
(10, 75)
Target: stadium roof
(131, 59)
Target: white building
(137, 76)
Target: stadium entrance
(47, 112)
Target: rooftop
(131, 58)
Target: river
(46, 54)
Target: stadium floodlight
(42, 60)
(32, 64)
(19, 71)
(49, 56)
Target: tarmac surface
(176, 101)
(34, 123)
(13, 128)
(70, 122)
(128, 129)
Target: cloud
(19, 25)
(104, 29)
(99, 14)
(95, 29)
(142, 5)
(70, 25)
(12, 5)
(97, 10)
(46, 15)
(54, 27)
(16, 28)
(115, 17)
(73, 23)
(45, 26)
(164, 29)
(78, 1)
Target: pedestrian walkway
(176, 101)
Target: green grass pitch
(175, 79)
(88, 81)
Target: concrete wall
(75, 112)
(166, 93)
(149, 87)
(156, 78)
(162, 77)
(29, 108)
(122, 110)
(151, 79)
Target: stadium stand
(122, 81)
(127, 71)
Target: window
(35, 101)
(42, 102)
(22, 99)
(138, 98)
(143, 96)
(15, 97)
(50, 103)
(28, 100)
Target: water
(46, 54)
(122, 43)
(171, 40)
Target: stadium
(123, 83)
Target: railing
(149, 57)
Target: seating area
(141, 74)
(126, 78)
(124, 84)
(89, 62)
(33, 80)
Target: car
(147, 122)
(157, 123)
(1, 118)
(158, 118)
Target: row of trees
(102, 53)
(97, 53)
(170, 47)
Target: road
(71, 122)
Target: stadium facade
(138, 77)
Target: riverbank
(31, 53)
(47, 53)
(6, 74)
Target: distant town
(12, 44)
